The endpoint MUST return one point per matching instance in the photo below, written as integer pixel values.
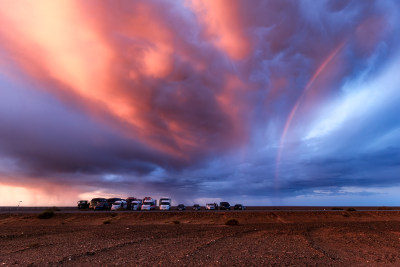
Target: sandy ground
(283, 238)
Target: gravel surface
(202, 239)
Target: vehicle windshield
(148, 203)
(164, 203)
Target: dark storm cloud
(200, 98)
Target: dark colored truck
(83, 204)
(224, 206)
(239, 207)
(98, 204)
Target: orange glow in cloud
(43, 32)
(50, 44)
(158, 62)
(222, 21)
(58, 40)
(293, 111)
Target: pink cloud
(133, 86)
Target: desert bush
(107, 222)
(55, 209)
(176, 222)
(337, 208)
(47, 214)
(113, 214)
(351, 209)
(232, 222)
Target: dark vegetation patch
(232, 222)
(47, 214)
(351, 209)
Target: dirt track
(202, 239)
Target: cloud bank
(200, 99)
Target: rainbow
(292, 113)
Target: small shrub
(384, 208)
(47, 214)
(176, 222)
(113, 214)
(232, 222)
(55, 209)
(351, 209)
(337, 208)
(107, 222)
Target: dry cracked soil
(262, 238)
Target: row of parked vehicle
(147, 203)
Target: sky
(276, 102)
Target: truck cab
(96, 203)
(136, 204)
(165, 203)
(224, 206)
(83, 204)
(119, 205)
(149, 203)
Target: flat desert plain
(262, 238)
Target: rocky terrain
(284, 238)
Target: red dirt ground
(284, 238)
